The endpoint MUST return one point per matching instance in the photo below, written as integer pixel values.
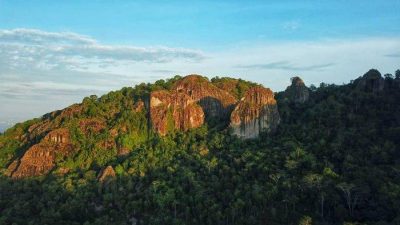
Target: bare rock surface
(257, 111)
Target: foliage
(334, 160)
(237, 87)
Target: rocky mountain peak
(194, 100)
(215, 102)
(185, 103)
(297, 92)
(371, 81)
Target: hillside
(189, 150)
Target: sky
(54, 53)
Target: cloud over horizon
(47, 50)
(286, 65)
(43, 71)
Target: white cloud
(43, 71)
(39, 37)
(331, 61)
(29, 48)
(285, 65)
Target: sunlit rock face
(215, 102)
(174, 110)
(187, 105)
(160, 102)
(297, 92)
(186, 112)
(40, 158)
(372, 81)
(256, 111)
(106, 174)
(194, 100)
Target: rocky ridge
(188, 103)
(193, 100)
(41, 158)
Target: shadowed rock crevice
(215, 111)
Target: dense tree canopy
(334, 159)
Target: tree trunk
(322, 205)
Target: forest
(334, 159)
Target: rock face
(40, 158)
(188, 104)
(256, 111)
(215, 102)
(372, 81)
(174, 110)
(194, 100)
(297, 92)
(107, 174)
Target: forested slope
(333, 159)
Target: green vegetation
(10, 146)
(237, 87)
(333, 160)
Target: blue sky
(53, 53)
(204, 24)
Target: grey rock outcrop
(256, 111)
(297, 92)
(372, 81)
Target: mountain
(297, 92)
(193, 150)
(186, 103)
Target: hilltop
(193, 150)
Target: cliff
(41, 158)
(372, 81)
(190, 102)
(256, 111)
(297, 92)
(215, 102)
(194, 100)
(174, 110)
(115, 124)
